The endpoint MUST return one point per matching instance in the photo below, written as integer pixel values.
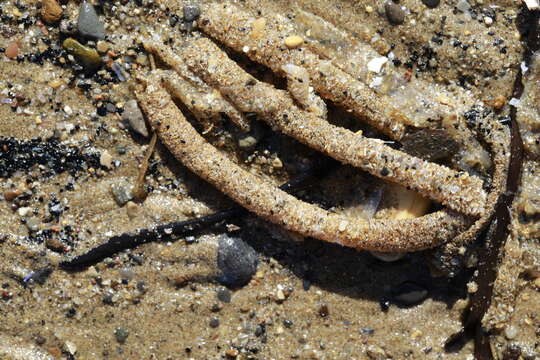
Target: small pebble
(510, 332)
(247, 142)
(293, 41)
(10, 195)
(133, 210)
(431, 3)
(105, 159)
(191, 12)
(375, 352)
(88, 57)
(32, 223)
(12, 50)
(394, 13)
(121, 335)
(51, 11)
(88, 22)
(133, 116)
(102, 47)
(122, 193)
(214, 323)
(236, 260)
(70, 347)
(224, 295)
(409, 293)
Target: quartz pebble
(394, 13)
(105, 159)
(51, 11)
(88, 22)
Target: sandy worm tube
(268, 202)
(231, 26)
(457, 190)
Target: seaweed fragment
(497, 230)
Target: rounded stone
(431, 3)
(394, 13)
(236, 260)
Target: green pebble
(121, 335)
(88, 57)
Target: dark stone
(214, 323)
(224, 295)
(236, 260)
(88, 22)
(394, 13)
(121, 335)
(409, 293)
(431, 3)
(191, 12)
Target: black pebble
(236, 260)
(431, 3)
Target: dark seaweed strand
(498, 229)
(131, 240)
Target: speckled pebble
(191, 12)
(237, 261)
(121, 335)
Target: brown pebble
(55, 245)
(51, 11)
(231, 353)
(12, 50)
(10, 195)
(55, 352)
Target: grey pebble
(32, 223)
(237, 261)
(394, 13)
(133, 116)
(122, 193)
(191, 12)
(224, 295)
(88, 22)
(431, 3)
(409, 293)
(121, 335)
